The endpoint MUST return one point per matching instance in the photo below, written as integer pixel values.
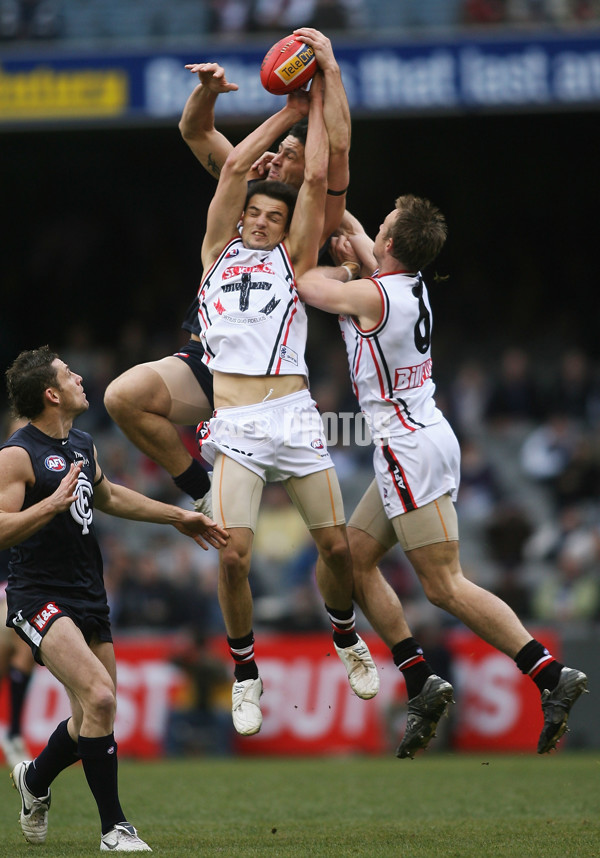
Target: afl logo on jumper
(81, 510)
(55, 463)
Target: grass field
(455, 806)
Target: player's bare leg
(335, 582)
(372, 593)
(439, 570)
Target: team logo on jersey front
(55, 463)
(81, 509)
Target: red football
(287, 66)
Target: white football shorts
(276, 439)
(416, 468)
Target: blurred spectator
(199, 722)
(514, 400)
(547, 450)
(512, 589)
(147, 599)
(480, 489)
(467, 398)
(484, 11)
(574, 390)
(571, 592)
(507, 534)
(329, 15)
(31, 19)
(579, 481)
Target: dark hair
(299, 130)
(277, 191)
(29, 375)
(418, 233)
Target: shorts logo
(55, 463)
(317, 444)
(40, 621)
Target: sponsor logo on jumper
(408, 377)
(288, 354)
(40, 620)
(55, 463)
(219, 307)
(79, 457)
(238, 270)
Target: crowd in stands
(528, 505)
(143, 19)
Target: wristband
(353, 269)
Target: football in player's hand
(287, 66)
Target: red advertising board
(307, 704)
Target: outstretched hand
(66, 493)
(320, 44)
(202, 530)
(260, 168)
(212, 76)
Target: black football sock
(194, 481)
(409, 658)
(535, 661)
(242, 652)
(344, 626)
(59, 754)
(19, 681)
(99, 759)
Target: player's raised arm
(197, 123)
(227, 204)
(328, 289)
(306, 228)
(336, 113)
(123, 502)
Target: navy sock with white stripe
(409, 658)
(242, 652)
(344, 626)
(535, 661)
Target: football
(287, 66)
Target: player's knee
(103, 703)
(116, 398)
(440, 590)
(234, 564)
(335, 553)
